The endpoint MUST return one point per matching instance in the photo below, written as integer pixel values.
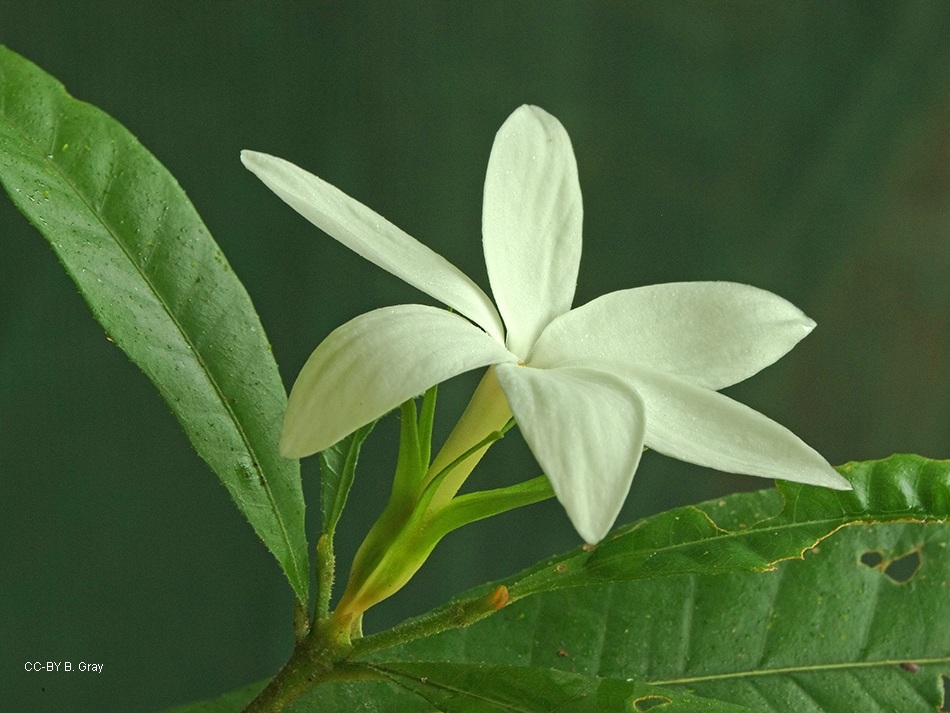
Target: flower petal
(531, 223)
(704, 427)
(371, 236)
(586, 428)
(372, 364)
(712, 334)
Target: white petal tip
(826, 477)
(296, 442)
(290, 448)
(830, 478)
(591, 538)
(531, 109)
(839, 482)
(591, 526)
(252, 159)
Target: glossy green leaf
(433, 687)
(368, 696)
(861, 622)
(484, 688)
(827, 634)
(749, 532)
(703, 540)
(337, 470)
(161, 288)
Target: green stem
(325, 654)
(321, 656)
(453, 616)
(326, 563)
(301, 621)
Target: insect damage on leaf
(900, 569)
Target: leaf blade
(765, 528)
(485, 688)
(337, 470)
(774, 642)
(154, 278)
(831, 632)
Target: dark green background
(800, 147)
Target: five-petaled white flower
(589, 386)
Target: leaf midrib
(788, 670)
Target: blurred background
(800, 147)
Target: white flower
(588, 387)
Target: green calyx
(424, 505)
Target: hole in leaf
(903, 569)
(946, 695)
(648, 703)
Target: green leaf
(827, 634)
(483, 688)
(749, 533)
(427, 687)
(900, 488)
(337, 469)
(159, 285)
(369, 696)
(840, 630)
(862, 622)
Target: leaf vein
(788, 670)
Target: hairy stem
(319, 657)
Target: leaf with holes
(750, 532)
(861, 622)
(826, 634)
(154, 278)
